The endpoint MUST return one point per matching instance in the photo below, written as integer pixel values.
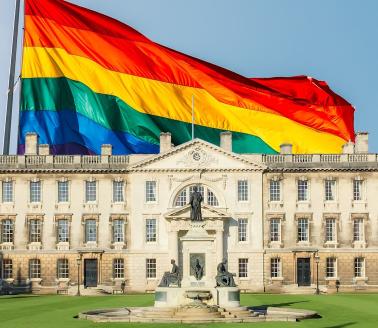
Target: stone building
(107, 219)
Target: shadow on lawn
(17, 296)
(342, 325)
(263, 308)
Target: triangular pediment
(208, 212)
(197, 155)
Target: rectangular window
(35, 191)
(358, 230)
(303, 229)
(275, 267)
(330, 230)
(63, 192)
(302, 190)
(7, 192)
(359, 267)
(62, 271)
(63, 231)
(7, 231)
(242, 229)
(90, 191)
(243, 268)
(242, 190)
(274, 191)
(118, 187)
(7, 269)
(150, 191)
(331, 267)
(34, 269)
(150, 230)
(118, 268)
(275, 230)
(151, 268)
(90, 230)
(35, 231)
(357, 189)
(330, 190)
(118, 231)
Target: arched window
(208, 195)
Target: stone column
(173, 245)
(219, 245)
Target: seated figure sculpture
(223, 277)
(171, 278)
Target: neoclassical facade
(284, 222)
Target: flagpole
(192, 117)
(8, 117)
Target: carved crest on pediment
(197, 157)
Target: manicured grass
(337, 311)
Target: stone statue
(171, 278)
(195, 203)
(198, 270)
(223, 277)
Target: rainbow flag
(88, 79)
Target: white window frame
(303, 219)
(279, 232)
(243, 268)
(307, 198)
(331, 268)
(330, 188)
(358, 236)
(150, 236)
(118, 268)
(35, 268)
(147, 197)
(243, 191)
(59, 230)
(359, 264)
(361, 183)
(7, 271)
(86, 233)
(116, 232)
(62, 268)
(7, 231)
(332, 231)
(35, 233)
(118, 192)
(275, 191)
(243, 227)
(35, 182)
(151, 268)
(87, 191)
(59, 182)
(3, 184)
(275, 267)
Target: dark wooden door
(303, 272)
(90, 273)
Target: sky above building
(331, 40)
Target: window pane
(330, 186)
(359, 267)
(275, 267)
(62, 191)
(150, 191)
(211, 199)
(7, 191)
(35, 191)
(357, 189)
(151, 268)
(90, 191)
(275, 231)
(34, 269)
(35, 233)
(243, 268)
(331, 267)
(181, 199)
(90, 230)
(63, 231)
(330, 229)
(303, 230)
(302, 190)
(358, 230)
(242, 190)
(118, 187)
(118, 231)
(7, 269)
(118, 268)
(62, 269)
(242, 229)
(274, 191)
(150, 230)
(7, 231)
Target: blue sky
(331, 40)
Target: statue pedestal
(227, 297)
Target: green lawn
(337, 311)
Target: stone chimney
(286, 149)
(31, 143)
(44, 149)
(106, 150)
(348, 148)
(361, 144)
(165, 142)
(226, 140)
